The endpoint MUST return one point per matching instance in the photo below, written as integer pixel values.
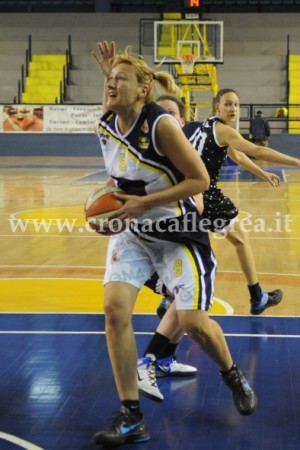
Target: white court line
(228, 309)
(54, 236)
(52, 278)
(141, 333)
(97, 236)
(84, 177)
(97, 313)
(20, 442)
(49, 266)
(39, 266)
(284, 176)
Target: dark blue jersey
(203, 137)
(218, 208)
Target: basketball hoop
(187, 63)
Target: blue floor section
(57, 387)
(238, 173)
(228, 173)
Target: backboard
(173, 39)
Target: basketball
(100, 206)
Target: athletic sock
(168, 350)
(226, 372)
(157, 344)
(134, 407)
(255, 292)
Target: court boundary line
(25, 266)
(18, 441)
(80, 236)
(146, 314)
(139, 333)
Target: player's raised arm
(104, 56)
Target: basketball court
(57, 385)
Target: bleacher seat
(45, 79)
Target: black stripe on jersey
(131, 187)
(187, 229)
(204, 273)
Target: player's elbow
(258, 155)
(207, 182)
(235, 158)
(201, 180)
(204, 182)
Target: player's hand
(272, 178)
(133, 206)
(104, 56)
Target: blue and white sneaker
(267, 299)
(169, 367)
(125, 428)
(147, 379)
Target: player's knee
(196, 325)
(238, 238)
(199, 333)
(114, 315)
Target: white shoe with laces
(169, 367)
(147, 378)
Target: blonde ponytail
(145, 75)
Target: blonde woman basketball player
(148, 156)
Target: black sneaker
(267, 299)
(244, 397)
(126, 428)
(162, 309)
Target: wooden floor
(45, 245)
(56, 385)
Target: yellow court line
(73, 295)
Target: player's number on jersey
(122, 162)
(178, 267)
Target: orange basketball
(100, 206)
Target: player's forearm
(104, 96)
(251, 167)
(187, 188)
(268, 154)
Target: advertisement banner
(49, 118)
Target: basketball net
(187, 63)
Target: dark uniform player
(218, 209)
(212, 139)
